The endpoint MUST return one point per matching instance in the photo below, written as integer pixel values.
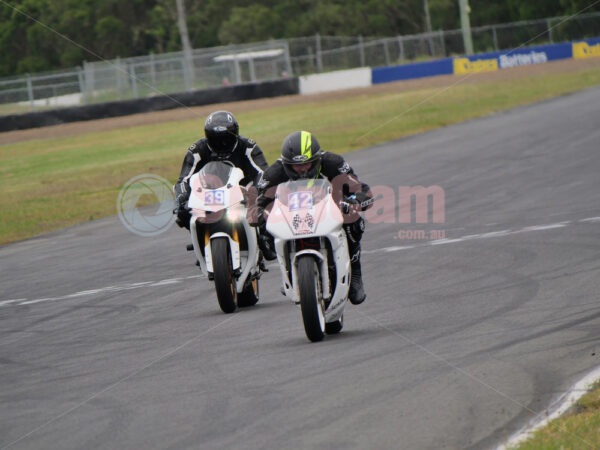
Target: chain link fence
(145, 76)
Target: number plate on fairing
(214, 198)
(300, 200)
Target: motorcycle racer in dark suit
(222, 141)
(302, 157)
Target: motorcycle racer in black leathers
(221, 142)
(302, 157)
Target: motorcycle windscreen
(214, 175)
(301, 195)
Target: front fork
(202, 234)
(339, 246)
(287, 262)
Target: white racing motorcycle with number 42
(312, 252)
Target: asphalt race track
(110, 340)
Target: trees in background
(112, 28)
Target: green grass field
(579, 429)
(52, 183)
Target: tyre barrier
(248, 91)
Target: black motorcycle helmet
(301, 155)
(221, 131)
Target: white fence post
(430, 43)
(361, 49)
(81, 84)
(318, 53)
(133, 80)
(400, 48)
(186, 73)
(89, 79)
(443, 43)
(236, 68)
(152, 71)
(288, 60)
(119, 75)
(30, 91)
(386, 52)
(495, 38)
(251, 70)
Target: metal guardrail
(149, 75)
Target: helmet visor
(301, 168)
(222, 142)
(308, 169)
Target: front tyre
(224, 283)
(309, 288)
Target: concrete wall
(61, 100)
(333, 81)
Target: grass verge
(52, 183)
(578, 429)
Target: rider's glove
(364, 199)
(348, 204)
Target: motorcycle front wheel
(223, 273)
(309, 287)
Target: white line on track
(591, 219)
(8, 302)
(471, 237)
(555, 410)
(169, 281)
(87, 293)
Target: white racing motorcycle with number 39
(312, 252)
(224, 244)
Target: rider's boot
(357, 291)
(266, 244)
(261, 262)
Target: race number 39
(214, 198)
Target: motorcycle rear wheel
(311, 304)
(223, 273)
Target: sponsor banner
(465, 65)
(414, 70)
(586, 49)
(512, 58)
(484, 62)
(522, 59)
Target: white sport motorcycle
(223, 242)
(312, 252)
